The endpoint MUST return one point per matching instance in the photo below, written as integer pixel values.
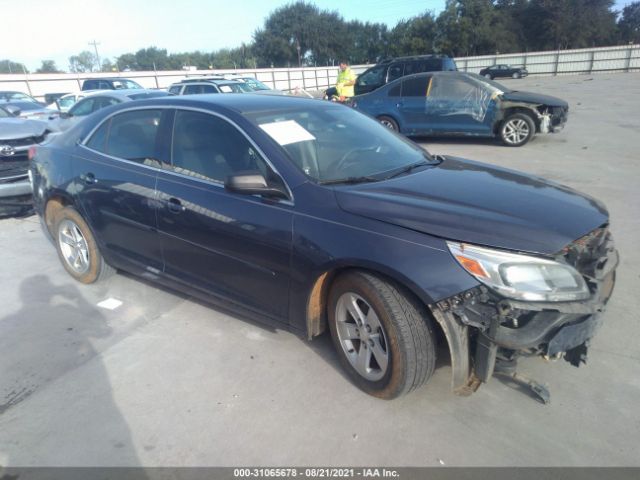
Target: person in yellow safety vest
(346, 81)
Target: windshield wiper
(349, 180)
(408, 168)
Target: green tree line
(300, 33)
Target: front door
(232, 245)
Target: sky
(57, 29)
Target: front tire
(77, 248)
(382, 334)
(488, 75)
(517, 129)
(389, 122)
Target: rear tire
(517, 129)
(389, 122)
(77, 248)
(382, 334)
(516, 75)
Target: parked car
(13, 96)
(195, 86)
(503, 71)
(314, 217)
(65, 102)
(17, 135)
(392, 69)
(27, 109)
(112, 83)
(100, 99)
(256, 85)
(462, 104)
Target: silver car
(17, 136)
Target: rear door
(116, 172)
(230, 245)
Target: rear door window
(415, 87)
(133, 135)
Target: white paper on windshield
(225, 88)
(287, 132)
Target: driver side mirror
(253, 183)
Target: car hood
(537, 98)
(476, 203)
(12, 128)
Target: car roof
(122, 94)
(214, 80)
(242, 103)
(410, 57)
(109, 78)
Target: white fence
(563, 62)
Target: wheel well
(54, 205)
(318, 299)
(526, 111)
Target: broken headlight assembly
(521, 277)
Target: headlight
(521, 277)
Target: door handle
(88, 178)
(399, 104)
(175, 205)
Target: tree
(48, 66)
(83, 62)
(414, 36)
(629, 23)
(8, 66)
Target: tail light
(31, 153)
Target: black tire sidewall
(386, 118)
(395, 373)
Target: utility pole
(95, 47)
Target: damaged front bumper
(486, 331)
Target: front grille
(23, 142)
(11, 168)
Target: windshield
(125, 85)
(4, 114)
(235, 87)
(332, 143)
(11, 96)
(254, 84)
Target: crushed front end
(501, 328)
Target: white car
(97, 100)
(65, 102)
(256, 85)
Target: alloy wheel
(362, 336)
(73, 246)
(516, 131)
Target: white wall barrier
(624, 58)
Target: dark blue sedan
(313, 217)
(462, 104)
